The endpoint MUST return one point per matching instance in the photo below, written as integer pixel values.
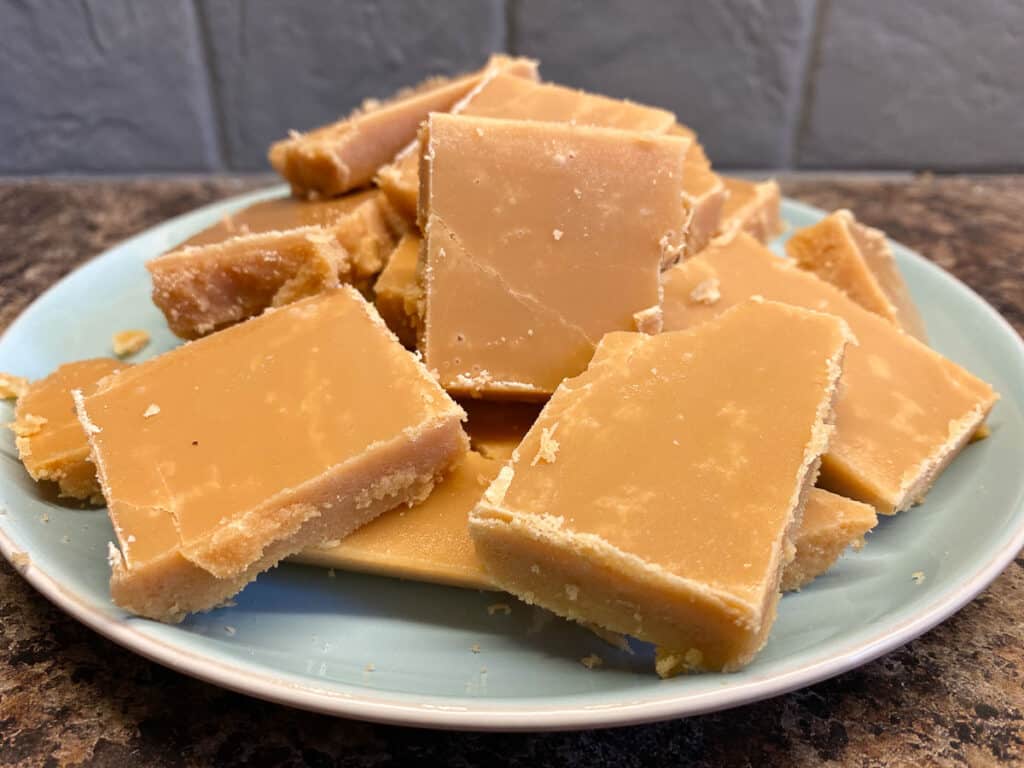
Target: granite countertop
(953, 697)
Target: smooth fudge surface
(539, 239)
(279, 214)
(828, 526)
(646, 499)
(201, 288)
(51, 443)
(904, 411)
(857, 259)
(427, 542)
(510, 96)
(753, 207)
(430, 541)
(397, 291)
(225, 455)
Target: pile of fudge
(508, 335)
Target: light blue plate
(387, 650)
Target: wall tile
(109, 86)
(731, 70)
(919, 83)
(300, 64)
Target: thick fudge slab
(223, 456)
(646, 499)
(904, 410)
(540, 238)
(857, 259)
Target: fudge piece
(904, 411)
(752, 207)
(345, 155)
(857, 259)
(496, 428)
(397, 291)
(223, 456)
(203, 288)
(830, 523)
(428, 542)
(540, 238)
(278, 215)
(705, 194)
(50, 441)
(506, 95)
(646, 499)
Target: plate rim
(483, 715)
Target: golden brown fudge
(428, 542)
(496, 428)
(223, 456)
(904, 411)
(540, 238)
(280, 214)
(646, 499)
(752, 207)
(347, 154)
(705, 194)
(51, 442)
(829, 524)
(509, 96)
(203, 288)
(857, 259)
(397, 291)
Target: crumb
(152, 410)
(557, 234)
(44, 518)
(706, 292)
(577, 192)
(548, 450)
(591, 661)
(371, 667)
(113, 555)
(293, 134)
(572, 591)
(479, 131)
(28, 425)
(330, 573)
(228, 604)
(131, 538)
(129, 342)
(534, 568)
(475, 647)
(12, 387)
(65, 539)
(230, 630)
(918, 577)
(20, 559)
(494, 608)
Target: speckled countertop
(953, 697)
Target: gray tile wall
(124, 86)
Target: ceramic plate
(387, 650)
